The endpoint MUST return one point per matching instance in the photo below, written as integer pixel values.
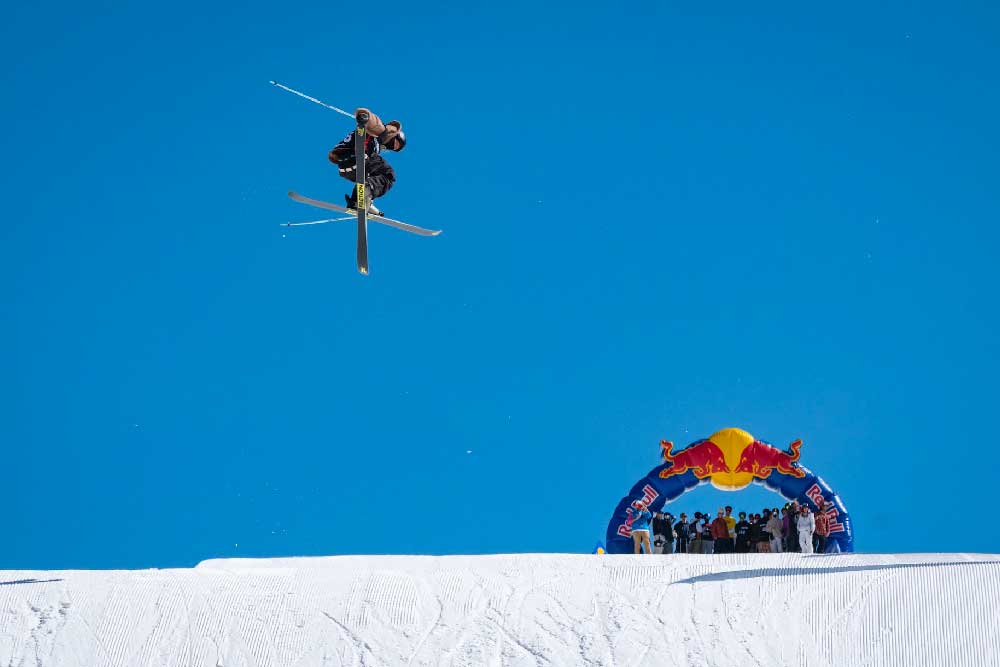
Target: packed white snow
(529, 609)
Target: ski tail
(360, 135)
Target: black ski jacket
(661, 526)
(342, 154)
(681, 530)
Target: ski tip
(363, 270)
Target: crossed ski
(406, 227)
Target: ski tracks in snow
(530, 609)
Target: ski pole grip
(362, 118)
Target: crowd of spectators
(792, 528)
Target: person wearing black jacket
(681, 533)
(379, 174)
(756, 533)
(792, 538)
(662, 534)
(743, 534)
(758, 536)
(668, 519)
(707, 539)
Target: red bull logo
(704, 458)
(761, 459)
(730, 459)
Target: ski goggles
(398, 142)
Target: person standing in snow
(743, 534)
(720, 533)
(754, 537)
(773, 528)
(731, 524)
(640, 527)
(668, 535)
(681, 532)
(694, 534)
(707, 539)
(694, 544)
(788, 527)
(379, 174)
(760, 534)
(806, 523)
(822, 530)
(659, 532)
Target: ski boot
(352, 204)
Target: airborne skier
(358, 159)
(379, 174)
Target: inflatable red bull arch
(730, 460)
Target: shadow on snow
(798, 571)
(27, 581)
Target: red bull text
(649, 494)
(815, 494)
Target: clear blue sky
(660, 220)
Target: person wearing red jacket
(822, 531)
(720, 531)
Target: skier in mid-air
(379, 174)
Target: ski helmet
(399, 133)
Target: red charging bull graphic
(760, 458)
(704, 458)
(730, 460)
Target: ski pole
(312, 99)
(317, 222)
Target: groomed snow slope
(531, 609)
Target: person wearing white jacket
(806, 523)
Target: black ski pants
(379, 177)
